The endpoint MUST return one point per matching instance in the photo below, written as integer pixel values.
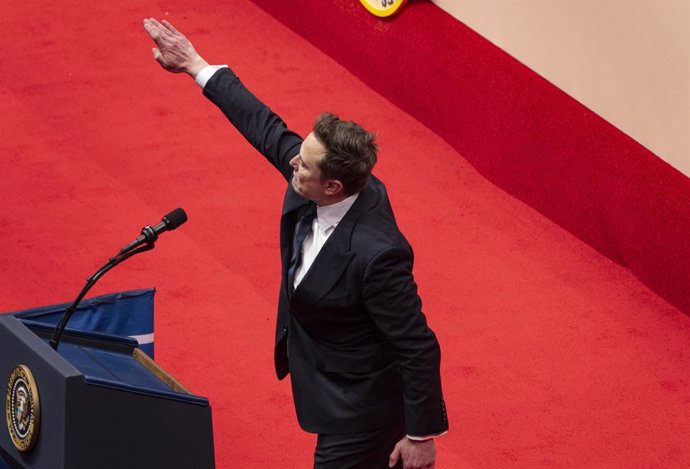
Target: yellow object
(382, 8)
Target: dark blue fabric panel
(128, 313)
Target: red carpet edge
(518, 130)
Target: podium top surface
(98, 364)
(114, 362)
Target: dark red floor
(553, 356)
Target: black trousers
(369, 450)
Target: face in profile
(306, 176)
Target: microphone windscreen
(175, 218)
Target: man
(364, 365)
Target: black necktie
(302, 232)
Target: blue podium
(96, 402)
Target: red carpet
(519, 131)
(553, 355)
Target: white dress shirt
(206, 73)
(327, 218)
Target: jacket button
(284, 328)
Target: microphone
(150, 234)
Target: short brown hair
(350, 152)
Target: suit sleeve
(390, 296)
(264, 129)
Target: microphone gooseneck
(143, 243)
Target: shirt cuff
(426, 437)
(206, 73)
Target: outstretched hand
(414, 454)
(174, 52)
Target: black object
(103, 404)
(302, 233)
(148, 235)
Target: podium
(96, 402)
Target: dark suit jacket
(352, 335)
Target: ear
(333, 187)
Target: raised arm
(264, 129)
(175, 53)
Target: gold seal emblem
(23, 408)
(382, 7)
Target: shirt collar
(330, 215)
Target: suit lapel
(332, 260)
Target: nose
(294, 161)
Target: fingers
(151, 29)
(394, 457)
(169, 25)
(164, 27)
(157, 55)
(156, 30)
(154, 23)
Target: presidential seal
(22, 408)
(382, 7)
